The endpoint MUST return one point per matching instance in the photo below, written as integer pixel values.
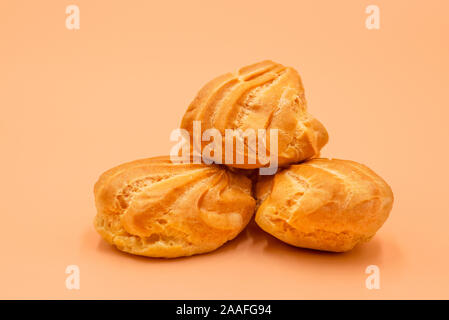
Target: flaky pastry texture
(323, 204)
(156, 208)
(265, 95)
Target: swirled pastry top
(157, 208)
(265, 95)
(324, 204)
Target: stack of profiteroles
(194, 202)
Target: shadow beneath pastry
(244, 238)
(229, 247)
(107, 248)
(272, 246)
(253, 238)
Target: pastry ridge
(157, 208)
(264, 95)
(323, 204)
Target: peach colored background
(75, 103)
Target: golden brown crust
(323, 204)
(157, 208)
(265, 95)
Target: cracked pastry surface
(323, 204)
(265, 95)
(156, 208)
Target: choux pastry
(323, 204)
(265, 95)
(157, 208)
